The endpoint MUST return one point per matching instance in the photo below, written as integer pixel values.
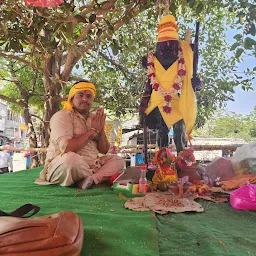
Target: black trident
(196, 81)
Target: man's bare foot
(85, 183)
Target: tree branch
(75, 78)
(16, 10)
(17, 82)
(47, 79)
(20, 68)
(119, 66)
(34, 81)
(12, 100)
(8, 80)
(14, 57)
(38, 117)
(72, 59)
(68, 66)
(107, 5)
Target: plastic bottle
(143, 180)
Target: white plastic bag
(246, 151)
(244, 160)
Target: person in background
(28, 160)
(11, 153)
(76, 139)
(5, 161)
(171, 136)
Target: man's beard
(83, 111)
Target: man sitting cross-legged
(76, 139)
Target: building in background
(13, 129)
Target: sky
(244, 101)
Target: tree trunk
(52, 91)
(50, 108)
(32, 138)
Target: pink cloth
(44, 3)
(220, 167)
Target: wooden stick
(138, 148)
(23, 149)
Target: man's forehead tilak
(85, 92)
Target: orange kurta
(183, 107)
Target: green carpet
(109, 228)
(220, 230)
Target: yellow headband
(82, 86)
(167, 29)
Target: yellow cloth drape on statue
(183, 107)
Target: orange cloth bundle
(165, 173)
(238, 181)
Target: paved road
(19, 162)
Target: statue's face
(168, 48)
(167, 52)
